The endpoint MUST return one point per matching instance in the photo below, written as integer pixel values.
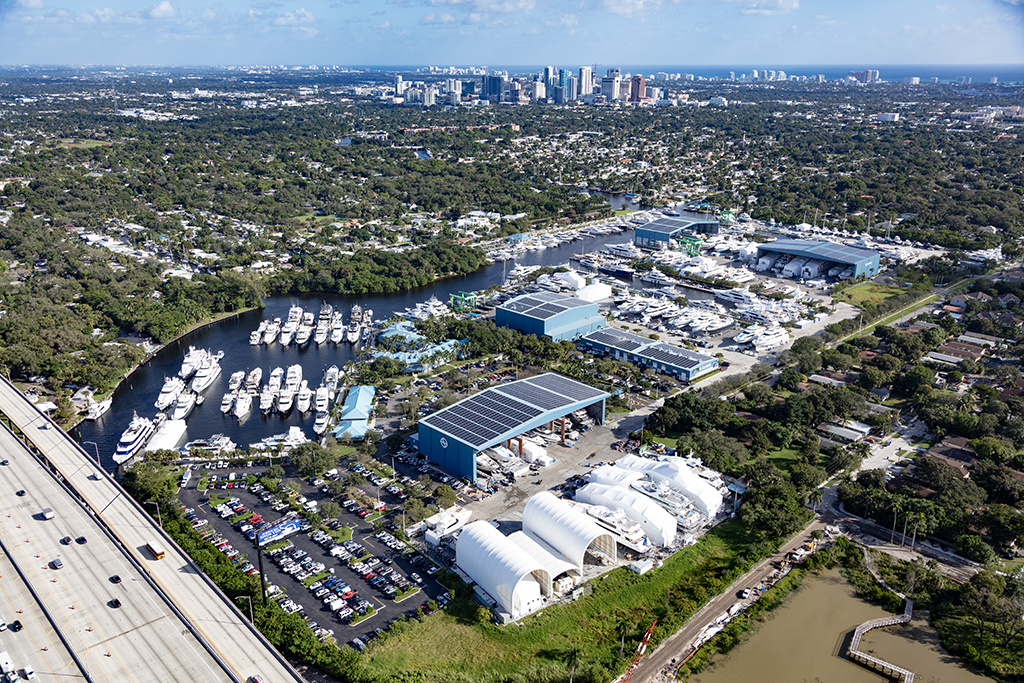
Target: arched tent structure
(516, 580)
(549, 519)
(657, 522)
(611, 475)
(680, 477)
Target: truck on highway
(6, 665)
(156, 549)
(47, 513)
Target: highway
(173, 624)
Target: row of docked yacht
(299, 327)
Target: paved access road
(215, 631)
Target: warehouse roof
(669, 225)
(659, 352)
(829, 251)
(542, 305)
(498, 413)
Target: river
(139, 391)
(807, 640)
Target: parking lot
(351, 589)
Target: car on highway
(115, 579)
(66, 540)
(115, 603)
(20, 493)
(56, 563)
(5, 462)
(81, 540)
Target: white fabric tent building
(516, 571)
(550, 521)
(657, 522)
(680, 477)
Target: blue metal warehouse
(658, 233)
(665, 358)
(825, 254)
(547, 314)
(451, 437)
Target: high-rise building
(662, 76)
(572, 88)
(637, 88)
(610, 87)
(753, 74)
(994, 80)
(492, 88)
(429, 96)
(539, 90)
(613, 73)
(586, 80)
(732, 75)
(912, 80)
(454, 86)
(866, 76)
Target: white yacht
(322, 332)
(191, 362)
(167, 436)
(368, 317)
(256, 336)
(352, 334)
(326, 311)
(748, 334)
(322, 400)
(331, 378)
(184, 405)
(288, 331)
(133, 439)
(337, 328)
(252, 382)
(323, 420)
(276, 379)
(626, 531)
(273, 330)
(267, 398)
(218, 443)
(736, 296)
(96, 410)
(243, 404)
(236, 379)
(285, 400)
(304, 333)
(206, 374)
(771, 338)
(284, 442)
(228, 402)
(357, 313)
(304, 398)
(169, 393)
(293, 378)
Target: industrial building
(546, 314)
(662, 357)
(810, 259)
(662, 232)
(452, 437)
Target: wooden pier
(876, 663)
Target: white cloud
(823, 20)
(85, 18)
(631, 6)
(162, 11)
(31, 4)
(207, 14)
(299, 17)
(484, 6)
(441, 19)
(768, 7)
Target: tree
(573, 657)
(311, 459)
(815, 497)
(445, 496)
(275, 472)
(330, 510)
(789, 379)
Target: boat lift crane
(640, 650)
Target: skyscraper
(492, 88)
(610, 87)
(586, 80)
(637, 88)
(614, 73)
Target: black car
(66, 540)
(21, 492)
(5, 462)
(115, 603)
(81, 540)
(115, 579)
(15, 626)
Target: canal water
(806, 640)
(140, 390)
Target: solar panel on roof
(533, 395)
(670, 357)
(577, 391)
(615, 340)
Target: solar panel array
(617, 339)
(673, 355)
(671, 224)
(501, 411)
(543, 305)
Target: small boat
(134, 438)
(228, 402)
(252, 382)
(191, 362)
(256, 336)
(184, 405)
(323, 420)
(267, 399)
(173, 386)
(304, 398)
(236, 379)
(96, 410)
(243, 404)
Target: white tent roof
(597, 291)
(679, 477)
(657, 522)
(569, 531)
(614, 476)
(497, 564)
(552, 562)
(572, 278)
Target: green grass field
(84, 144)
(784, 458)
(866, 292)
(456, 645)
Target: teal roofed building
(356, 413)
(428, 357)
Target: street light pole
(157, 511)
(252, 619)
(96, 449)
(263, 575)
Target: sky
(511, 32)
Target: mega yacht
(293, 378)
(736, 296)
(352, 334)
(184, 405)
(288, 331)
(322, 400)
(236, 379)
(191, 362)
(326, 311)
(283, 442)
(357, 313)
(252, 382)
(331, 379)
(337, 329)
(218, 443)
(323, 331)
(276, 379)
(771, 338)
(206, 374)
(167, 436)
(96, 410)
(169, 393)
(228, 402)
(748, 334)
(285, 400)
(623, 529)
(656, 277)
(134, 438)
(304, 333)
(323, 420)
(304, 398)
(273, 330)
(243, 404)
(267, 398)
(687, 516)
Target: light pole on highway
(148, 502)
(96, 449)
(252, 619)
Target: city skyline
(402, 32)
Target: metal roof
(659, 352)
(829, 251)
(669, 225)
(542, 305)
(499, 412)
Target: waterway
(807, 640)
(141, 389)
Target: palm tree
(896, 505)
(815, 497)
(573, 657)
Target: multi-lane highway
(172, 623)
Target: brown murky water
(806, 640)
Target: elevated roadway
(173, 623)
